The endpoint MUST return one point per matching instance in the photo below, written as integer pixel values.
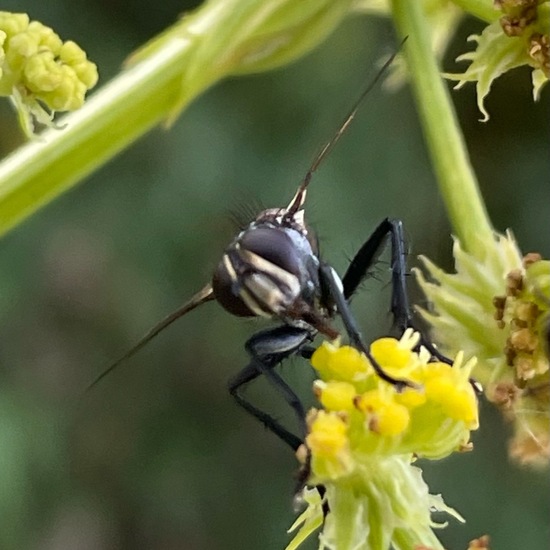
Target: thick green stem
(116, 115)
(455, 175)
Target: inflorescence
(362, 443)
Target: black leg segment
(366, 257)
(267, 350)
(333, 283)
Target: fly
(272, 269)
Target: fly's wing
(204, 295)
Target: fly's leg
(268, 349)
(334, 286)
(367, 256)
(364, 259)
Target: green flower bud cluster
(520, 37)
(498, 308)
(41, 73)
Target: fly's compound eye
(260, 274)
(226, 287)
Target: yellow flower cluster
(38, 69)
(362, 443)
(365, 416)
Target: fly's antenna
(204, 295)
(298, 200)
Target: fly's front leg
(335, 287)
(267, 350)
(365, 259)
(367, 256)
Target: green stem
(455, 175)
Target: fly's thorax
(268, 268)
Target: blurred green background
(159, 456)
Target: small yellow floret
(437, 371)
(461, 404)
(328, 435)
(71, 53)
(337, 396)
(445, 386)
(384, 416)
(41, 73)
(340, 363)
(411, 397)
(438, 388)
(320, 358)
(392, 419)
(13, 23)
(389, 354)
(370, 401)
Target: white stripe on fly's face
(271, 287)
(274, 272)
(245, 296)
(252, 304)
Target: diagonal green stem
(455, 175)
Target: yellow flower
(383, 414)
(363, 444)
(328, 443)
(41, 73)
(327, 435)
(340, 363)
(335, 396)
